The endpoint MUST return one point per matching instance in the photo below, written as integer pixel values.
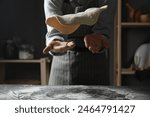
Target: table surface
(77, 92)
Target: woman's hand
(95, 42)
(57, 46)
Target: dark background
(24, 20)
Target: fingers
(88, 44)
(64, 47)
(70, 44)
(94, 50)
(58, 47)
(47, 49)
(85, 42)
(91, 45)
(95, 42)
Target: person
(79, 58)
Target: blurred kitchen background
(22, 27)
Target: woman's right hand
(57, 46)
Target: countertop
(75, 92)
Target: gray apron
(79, 66)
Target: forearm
(53, 7)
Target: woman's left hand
(94, 42)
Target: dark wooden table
(32, 92)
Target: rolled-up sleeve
(51, 8)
